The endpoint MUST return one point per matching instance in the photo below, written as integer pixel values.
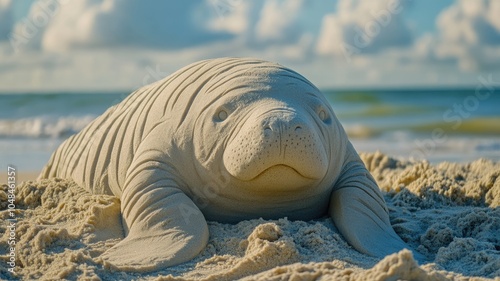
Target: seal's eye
(322, 115)
(222, 115)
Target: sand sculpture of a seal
(227, 140)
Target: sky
(114, 45)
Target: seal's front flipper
(364, 223)
(358, 211)
(165, 228)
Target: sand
(449, 212)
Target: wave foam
(44, 127)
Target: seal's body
(227, 140)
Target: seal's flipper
(358, 211)
(364, 223)
(165, 228)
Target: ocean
(457, 125)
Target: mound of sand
(449, 212)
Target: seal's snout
(282, 120)
(277, 144)
(269, 130)
(287, 129)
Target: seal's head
(266, 143)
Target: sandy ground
(449, 212)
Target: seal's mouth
(283, 169)
(279, 177)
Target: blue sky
(107, 45)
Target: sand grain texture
(449, 212)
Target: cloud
(6, 20)
(111, 23)
(278, 21)
(116, 44)
(364, 27)
(258, 23)
(468, 33)
(264, 26)
(28, 32)
(57, 25)
(83, 70)
(471, 22)
(89, 44)
(232, 16)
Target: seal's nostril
(298, 129)
(267, 131)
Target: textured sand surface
(449, 212)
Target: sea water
(456, 125)
(434, 124)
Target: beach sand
(447, 211)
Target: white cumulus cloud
(62, 25)
(364, 27)
(116, 44)
(233, 16)
(468, 33)
(278, 21)
(258, 23)
(266, 26)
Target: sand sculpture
(226, 139)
